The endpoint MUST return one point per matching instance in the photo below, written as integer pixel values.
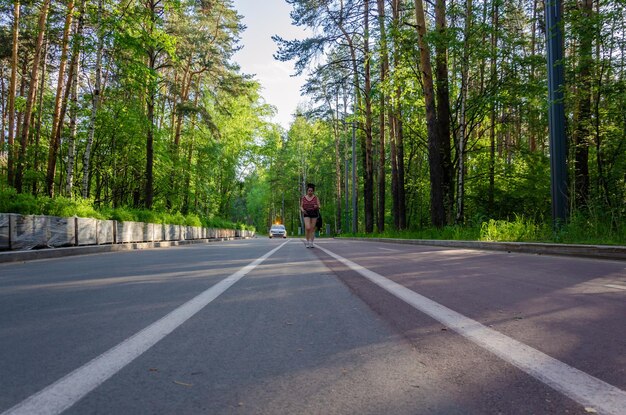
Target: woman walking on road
(310, 208)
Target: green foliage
(120, 214)
(216, 156)
(591, 228)
(12, 202)
(27, 204)
(519, 230)
(65, 207)
(458, 233)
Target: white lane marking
(579, 386)
(619, 287)
(68, 390)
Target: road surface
(270, 327)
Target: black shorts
(311, 215)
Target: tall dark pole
(354, 200)
(346, 210)
(556, 112)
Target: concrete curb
(588, 251)
(19, 256)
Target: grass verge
(27, 204)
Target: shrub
(193, 220)
(22, 203)
(27, 204)
(519, 230)
(122, 215)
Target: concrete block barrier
(128, 232)
(105, 231)
(5, 242)
(35, 232)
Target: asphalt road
(225, 328)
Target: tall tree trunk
(600, 158)
(583, 119)
(95, 101)
(398, 133)
(34, 79)
(3, 107)
(71, 156)
(492, 130)
(393, 125)
(73, 99)
(20, 114)
(178, 124)
(40, 112)
(357, 94)
(533, 121)
(384, 69)
(12, 89)
(443, 108)
(150, 107)
(368, 159)
(399, 128)
(460, 205)
(55, 137)
(149, 185)
(184, 96)
(394, 172)
(338, 159)
(437, 207)
(190, 157)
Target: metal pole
(556, 112)
(354, 205)
(346, 223)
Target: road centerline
(585, 389)
(68, 390)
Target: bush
(593, 227)
(519, 230)
(122, 215)
(24, 204)
(27, 204)
(193, 220)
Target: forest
(420, 115)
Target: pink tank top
(310, 205)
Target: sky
(263, 19)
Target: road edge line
(583, 388)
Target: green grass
(580, 229)
(27, 204)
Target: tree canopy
(435, 112)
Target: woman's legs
(312, 231)
(309, 229)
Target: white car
(278, 231)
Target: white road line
(585, 389)
(619, 287)
(68, 390)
